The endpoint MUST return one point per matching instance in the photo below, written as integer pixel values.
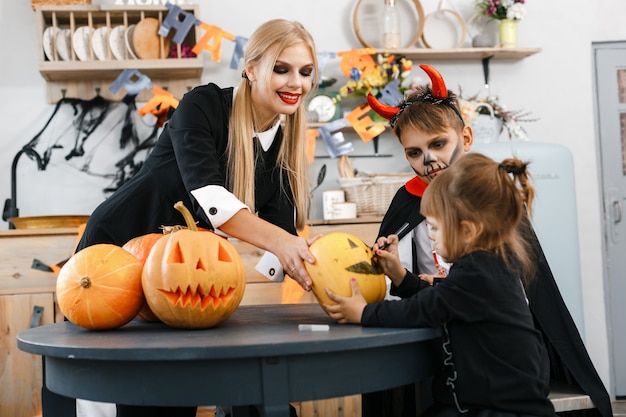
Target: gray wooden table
(256, 357)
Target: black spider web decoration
(90, 137)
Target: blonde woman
(236, 158)
(226, 155)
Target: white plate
(48, 43)
(128, 41)
(63, 44)
(116, 42)
(82, 42)
(99, 41)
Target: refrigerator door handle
(617, 211)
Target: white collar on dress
(266, 138)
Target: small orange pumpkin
(193, 279)
(339, 257)
(99, 287)
(140, 246)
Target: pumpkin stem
(85, 282)
(191, 224)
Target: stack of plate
(137, 41)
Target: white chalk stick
(313, 327)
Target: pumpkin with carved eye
(193, 279)
(339, 257)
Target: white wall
(555, 85)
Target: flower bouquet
(508, 13)
(501, 9)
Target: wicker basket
(372, 194)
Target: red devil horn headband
(437, 95)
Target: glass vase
(508, 33)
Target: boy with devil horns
(432, 131)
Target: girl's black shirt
(499, 356)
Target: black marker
(400, 230)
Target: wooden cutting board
(147, 42)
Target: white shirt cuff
(218, 203)
(270, 267)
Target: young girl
(495, 360)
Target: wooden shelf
(426, 54)
(173, 68)
(84, 78)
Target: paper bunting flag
(132, 80)
(311, 136)
(361, 59)
(240, 42)
(179, 20)
(159, 105)
(215, 47)
(335, 143)
(363, 124)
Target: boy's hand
(347, 309)
(430, 278)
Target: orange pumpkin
(140, 246)
(339, 257)
(192, 279)
(100, 287)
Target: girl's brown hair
(263, 48)
(492, 197)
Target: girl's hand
(386, 249)
(347, 309)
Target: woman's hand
(386, 249)
(292, 255)
(292, 251)
(347, 309)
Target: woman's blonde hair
(263, 49)
(493, 197)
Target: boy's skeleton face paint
(432, 167)
(430, 154)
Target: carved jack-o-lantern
(339, 257)
(193, 279)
